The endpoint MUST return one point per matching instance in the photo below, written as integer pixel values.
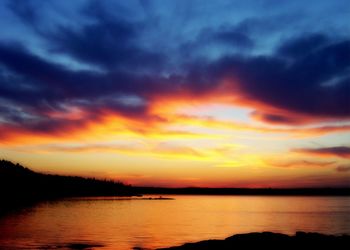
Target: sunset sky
(178, 93)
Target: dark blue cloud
(302, 46)
(305, 75)
(25, 10)
(296, 87)
(106, 43)
(306, 85)
(234, 38)
(105, 40)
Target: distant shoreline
(244, 191)
(268, 240)
(22, 187)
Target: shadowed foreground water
(109, 223)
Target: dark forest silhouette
(20, 186)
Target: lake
(124, 224)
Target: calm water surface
(124, 224)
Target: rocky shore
(268, 240)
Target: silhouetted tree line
(19, 185)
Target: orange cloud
(157, 150)
(162, 113)
(231, 125)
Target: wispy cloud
(299, 163)
(343, 168)
(340, 151)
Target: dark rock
(268, 240)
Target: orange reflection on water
(123, 224)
